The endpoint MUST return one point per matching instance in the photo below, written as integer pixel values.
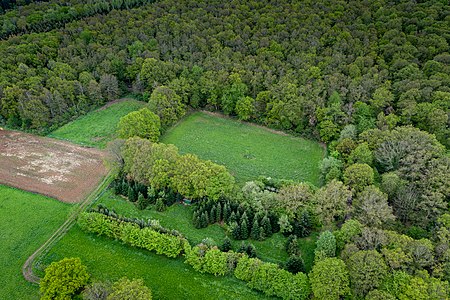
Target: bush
(126, 289)
(63, 279)
(211, 260)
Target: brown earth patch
(50, 167)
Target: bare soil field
(50, 167)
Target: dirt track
(50, 167)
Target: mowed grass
(247, 150)
(98, 127)
(26, 221)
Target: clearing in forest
(247, 150)
(98, 127)
(26, 221)
(50, 167)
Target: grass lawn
(167, 277)
(26, 221)
(247, 150)
(98, 127)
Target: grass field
(168, 278)
(179, 217)
(26, 221)
(98, 127)
(247, 150)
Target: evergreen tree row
(143, 195)
(244, 222)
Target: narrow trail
(27, 269)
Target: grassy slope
(98, 127)
(247, 151)
(26, 221)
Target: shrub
(63, 279)
(126, 289)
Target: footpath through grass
(247, 150)
(26, 221)
(98, 127)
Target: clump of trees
(162, 168)
(243, 220)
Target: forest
(369, 80)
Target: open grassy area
(167, 277)
(179, 217)
(26, 221)
(247, 150)
(98, 127)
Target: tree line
(296, 67)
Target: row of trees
(131, 233)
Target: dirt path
(27, 269)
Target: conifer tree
(266, 227)
(232, 218)
(160, 206)
(226, 246)
(226, 212)
(244, 229)
(255, 233)
(235, 231)
(251, 251)
(141, 202)
(131, 194)
(218, 212)
(202, 220)
(212, 215)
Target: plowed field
(50, 167)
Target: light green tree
(63, 279)
(329, 279)
(142, 123)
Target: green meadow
(245, 149)
(27, 220)
(98, 127)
